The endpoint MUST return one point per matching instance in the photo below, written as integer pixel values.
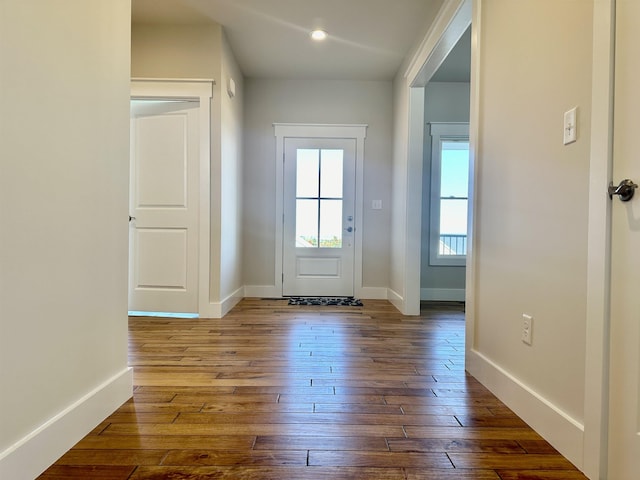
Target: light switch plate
(571, 126)
(376, 204)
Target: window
(449, 193)
(319, 198)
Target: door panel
(163, 268)
(319, 225)
(624, 416)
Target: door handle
(131, 218)
(349, 229)
(625, 190)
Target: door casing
(201, 90)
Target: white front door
(624, 397)
(163, 240)
(319, 211)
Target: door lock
(625, 190)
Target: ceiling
(368, 39)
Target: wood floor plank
(231, 458)
(451, 474)
(454, 445)
(267, 473)
(316, 418)
(169, 430)
(378, 459)
(95, 472)
(540, 475)
(112, 457)
(274, 391)
(294, 442)
(513, 462)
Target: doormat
(342, 301)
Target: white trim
(31, 455)
(565, 433)
(413, 208)
(231, 301)
(262, 291)
(442, 294)
(452, 21)
(271, 291)
(395, 299)
(201, 89)
(599, 243)
(474, 162)
(303, 130)
(373, 293)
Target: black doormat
(342, 301)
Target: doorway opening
(445, 177)
(169, 204)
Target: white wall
(443, 102)
(407, 162)
(531, 218)
(202, 52)
(314, 101)
(231, 168)
(64, 155)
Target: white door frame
(599, 244)
(299, 130)
(201, 90)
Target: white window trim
(301, 130)
(441, 132)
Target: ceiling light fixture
(318, 35)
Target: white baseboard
(220, 309)
(271, 291)
(372, 293)
(562, 431)
(33, 454)
(442, 294)
(262, 291)
(231, 301)
(396, 299)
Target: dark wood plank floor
(279, 392)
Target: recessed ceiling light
(318, 35)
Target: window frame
(442, 132)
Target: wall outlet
(527, 328)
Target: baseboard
(372, 293)
(442, 294)
(33, 454)
(271, 291)
(396, 299)
(562, 431)
(262, 291)
(231, 301)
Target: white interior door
(624, 416)
(319, 223)
(163, 241)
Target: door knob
(131, 218)
(625, 190)
(349, 229)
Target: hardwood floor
(279, 392)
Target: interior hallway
(273, 391)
